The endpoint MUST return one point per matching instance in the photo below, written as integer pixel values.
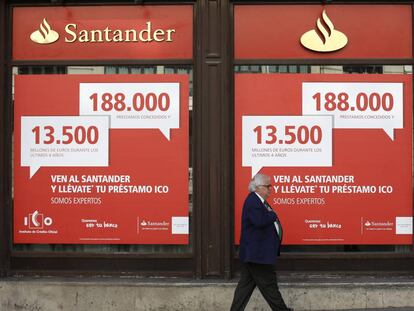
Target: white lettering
(71, 33)
(108, 35)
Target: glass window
(114, 248)
(330, 69)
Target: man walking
(261, 236)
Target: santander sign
(45, 34)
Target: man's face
(264, 190)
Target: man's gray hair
(258, 180)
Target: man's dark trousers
(264, 277)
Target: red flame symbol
(44, 28)
(325, 31)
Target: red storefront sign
(101, 159)
(338, 149)
(103, 32)
(341, 31)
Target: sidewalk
(381, 309)
(302, 292)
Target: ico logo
(37, 220)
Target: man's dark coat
(259, 242)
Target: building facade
(130, 130)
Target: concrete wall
(116, 294)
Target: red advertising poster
(103, 32)
(338, 149)
(101, 159)
(322, 31)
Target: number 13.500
(78, 134)
(293, 134)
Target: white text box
(275, 141)
(64, 141)
(356, 105)
(133, 105)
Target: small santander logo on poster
(152, 225)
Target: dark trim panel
(330, 2)
(104, 266)
(213, 136)
(361, 263)
(3, 70)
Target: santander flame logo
(330, 39)
(45, 34)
